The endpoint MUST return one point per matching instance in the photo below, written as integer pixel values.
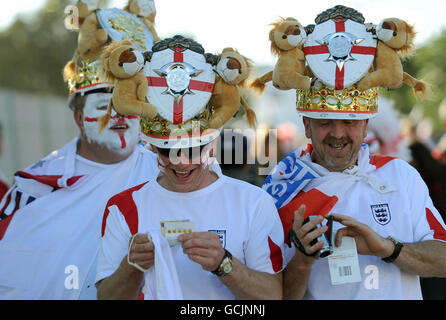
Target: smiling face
(121, 134)
(336, 143)
(184, 171)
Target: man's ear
(78, 116)
(365, 126)
(153, 148)
(307, 127)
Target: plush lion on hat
(287, 38)
(145, 10)
(232, 70)
(124, 65)
(395, 41)
(91, 38)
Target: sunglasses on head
(189, 152)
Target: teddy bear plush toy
(232, 71)
(145, 10)
(287, 38)
(395, 42)
(91, 39)
(124, 65)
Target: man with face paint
(50, 218)
(222, 235)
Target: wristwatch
(396, 251)
(225, 266)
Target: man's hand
(305, 232)
(368, 242)
(142, 251)
(204, 248)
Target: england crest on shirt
(221, 235)
(381, 213)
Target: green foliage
(34, 50)
(427, 64)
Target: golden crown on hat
(88, 76)
(320, 101)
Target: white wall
(33, 126)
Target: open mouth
(182, 174)
(119, 126)
(337, 146)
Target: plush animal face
(121, 60)
(396, 33)
(286, 34)
(232, 67)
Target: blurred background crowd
(34, 119)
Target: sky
(244, 24)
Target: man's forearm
(124, 284)
(426, 258)
(295, 277)
(246, 283)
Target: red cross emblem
(180, 83)
(340, 52)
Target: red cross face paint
(121, 133)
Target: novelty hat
(195, 92)
(96, 28)
(339, 51)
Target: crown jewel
(87, 75)
(320, 99)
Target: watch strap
(396, 251)
(219, 271)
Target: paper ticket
(172, 229)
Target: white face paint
(121, 134)
(146, 7)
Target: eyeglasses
(191, 153)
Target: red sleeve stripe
(439, 231)
(4, 221)
(275, 255)
(124, 201)
(378, 160)
(50, 180)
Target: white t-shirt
(50, 234)
(407, 214)
(243, 215)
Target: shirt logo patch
(222, 235)
(381, 213)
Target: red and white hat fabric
(181, 82)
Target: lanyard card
(343, 263)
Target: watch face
(227, 266)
